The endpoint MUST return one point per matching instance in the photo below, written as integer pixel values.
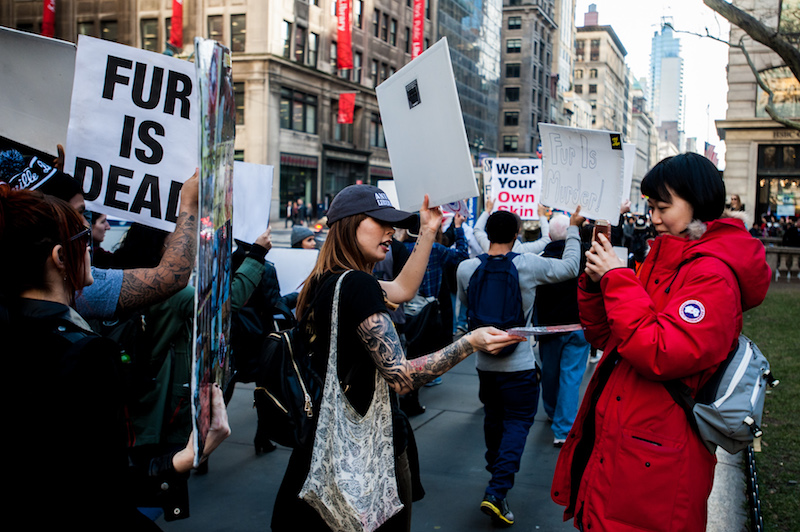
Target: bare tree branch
(769, 108)
(758, 31)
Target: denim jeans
(509, 404)
(564, 359)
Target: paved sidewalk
(239, 491)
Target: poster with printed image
(133, 122)
(211, 364)
(582, 167)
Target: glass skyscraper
(472, 28)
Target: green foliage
(775, 328)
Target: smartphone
(601, 227)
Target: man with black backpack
(499, 288)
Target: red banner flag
(49, 18)
(344, 51)
(418, 28)
(176, 25)
(347, 102)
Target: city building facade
(761, 158)
(601, 75)
(528, 88)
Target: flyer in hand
(544, 329)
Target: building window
(514, 23)
(594, 50)
(579, 73)
(238, 155)
(357, 63)
(512, 94)
(778, 174)
(376, 138)
(592, 89)
(376, 23)
(215, 27)
(87, 28)
(298, 111)
(108, 30)
(238, 30)
(593, 73)
(373, 73)
(393, 32)
(341, 132)
(359, 13)
(313, 49)
(286, 36)
(512, 70)
(167, 28)
(238, 98)
(300, 44)
(385, 27)
(408, 40)
(334, 58)
(513, 46)
(510, 143)
(578, 89)
(149, 34)
(511, 118)
(579, 50)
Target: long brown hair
(31, 225)
(340, 252)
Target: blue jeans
(564, 359)
(509, 404)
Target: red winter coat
(631, 461)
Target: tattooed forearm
(379, 335)
(145, 286)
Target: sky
(705, 83)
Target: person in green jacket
(160, 414)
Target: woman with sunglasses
(69, 455)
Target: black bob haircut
(502, 227)
(693, 178)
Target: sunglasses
(85, 233)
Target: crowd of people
(394, 301)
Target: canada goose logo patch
(692, 311)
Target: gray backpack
(727, 410)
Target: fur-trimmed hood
(728, 240)
(697, 229)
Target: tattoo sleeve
(145, 286)
(403, 375)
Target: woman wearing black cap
(362, 220)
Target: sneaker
(434, 382)
(596, 356)
(559, 442)
(498, 510)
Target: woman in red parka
(631, 461)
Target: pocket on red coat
(645, 479)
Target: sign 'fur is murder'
(582, 167)
(133, 131)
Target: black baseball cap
(369, 200)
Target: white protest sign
(629, 151)
(133, 131)
(582, 167)
(387, 185)
(425, 133)
(252, 197)
(35, 89)
(293, 266)
(516, 186)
